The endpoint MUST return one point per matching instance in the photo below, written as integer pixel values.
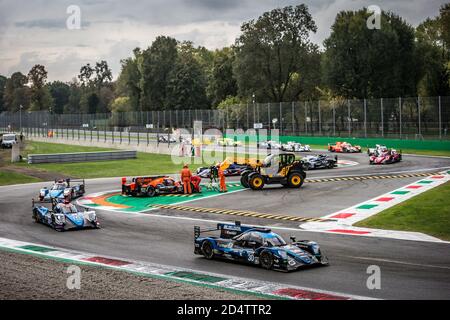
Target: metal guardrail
(81, 156)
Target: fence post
(334, 120)
(293, 119)
(382, 118)
(365, 117)
(349, 119)
(440, 119)
(400, 115)
(248, 123)
(269, 121)
(418, 107)
(306, 119)
(320, 118)
(281, 118)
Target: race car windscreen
(59, 186)
(275, 241)
(70, 208)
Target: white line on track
(400, 262)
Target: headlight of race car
(92, 216)
(60, 219)
(314, 247)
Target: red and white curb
(344, 219)
(216, 281)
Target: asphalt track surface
(409, 269)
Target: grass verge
(145, 164)
(428, 213)
(8, 178)
(34, 147)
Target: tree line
(272, 60)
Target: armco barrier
(81, 156)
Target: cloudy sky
(34, 31)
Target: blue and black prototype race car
(257, 246)
(64, 216)
(62, 189)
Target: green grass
(8, 178)
(146, 163)
(427, 213)
(34, 147)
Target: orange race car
(344, 147)
(156, 185)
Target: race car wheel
(295, 180)
(207, 250)
(151, 191)
(35, 216)
(256, 181)
(266, 260)
(244, 180)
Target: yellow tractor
(275, 169)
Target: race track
(409, 269)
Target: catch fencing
(404, 118)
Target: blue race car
(258, 246)
(64, 216)
(61, 189)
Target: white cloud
(34, 31)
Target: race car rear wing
(68, 181)
(228, 231)
(53, 202)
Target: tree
(222, 82)
(121, 104)
(158, 62)
(2, 92)
(103, 74)
(60, 93)
(363, 63)
(187, 85)
(16, 92)
(129, 82)
(85, 75)
(432, 52)
(73, 104)
(40, 95)
(271, 50)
